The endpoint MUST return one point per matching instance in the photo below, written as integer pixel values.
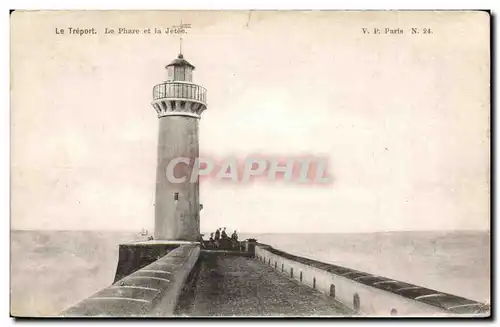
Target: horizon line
(255, 232)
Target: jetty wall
(152, 291)
(365, 293)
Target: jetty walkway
(233, 285)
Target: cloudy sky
(402, 119)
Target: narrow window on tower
(176, 196)
(170, 73)
(179, 73)
(189, 74)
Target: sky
(402, 119)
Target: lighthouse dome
(180, 61)
(180, 70)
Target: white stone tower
(179, 104)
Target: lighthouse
(179, 104)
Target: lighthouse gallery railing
(178, 90)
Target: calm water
(53, 270)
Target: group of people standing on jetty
(220, 239)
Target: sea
(52, 270)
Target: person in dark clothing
(225, 242)
(234, 241)
(223, 234)
(217, 234)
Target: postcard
(250, 163)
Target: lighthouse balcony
(179, 99)
(180, 90)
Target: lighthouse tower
(179, 104)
